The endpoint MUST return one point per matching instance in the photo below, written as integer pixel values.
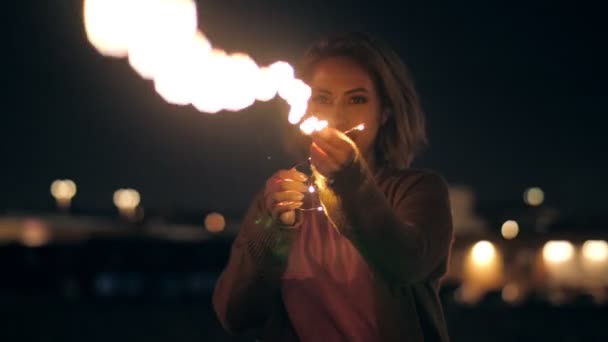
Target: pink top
(327, 286)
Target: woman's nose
(333, 116)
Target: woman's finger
(321, 162)
(291, 174)
(292, 196)
(291, 185)
(283, 196)
(282, 207)
(334, 138)
(339, 155)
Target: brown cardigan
(399, 221)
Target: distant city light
(483, 253)
(595, 250)
(127, 202)
(63, 190)
(34, 233)
(556, 252)
(534, 196)
(215, 222)
(483, 267)
(509, 229)
(511, 293)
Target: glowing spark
(311, 189)
(359, 127)
(312, 124)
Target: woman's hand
(331, 151)
(284, 194)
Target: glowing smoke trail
(162, 43)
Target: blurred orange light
(215, 222)
(510, 229)
(595, 250)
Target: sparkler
(308, 126)
(162, 44)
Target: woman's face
(343, 93)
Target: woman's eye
(358, 99)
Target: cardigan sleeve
(404, 239)
(251, 279)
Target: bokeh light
(215, 222)
(483, 267)
(63, 190)
(126, 199)
(483, 252)
(595, 251)
(534, 196)
(511, 293)
(556, 252)
(34, 233)
(509, 229)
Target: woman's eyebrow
(355, 90)
(321, 90)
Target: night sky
(515, 96)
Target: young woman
(367, 267)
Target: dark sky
(515, 96)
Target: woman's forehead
(338, 74)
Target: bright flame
(312, 124)
(161, 41)
(483, 253)
(211, 88)
(161, 34)
(107, 23)
(175, 81)
(510, 229)
(556, 252)
(242, 74)
(267, 85)
(595, 250)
